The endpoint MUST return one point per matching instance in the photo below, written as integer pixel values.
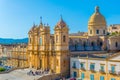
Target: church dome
(97, 19)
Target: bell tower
(32, 46)
(61, 39)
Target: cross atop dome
(61, 19)
(97, 9)
(41, 20)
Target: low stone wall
(50, 77)
(4, 72)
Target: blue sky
(17, 16)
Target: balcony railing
(74, 67)
(82, 68)
(112, 72)
(102, 71)
(118, 73)
(92, 70)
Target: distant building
(95, 67)
(1, 50)
(4, 52)
(17, 57)
(115, 28)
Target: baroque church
(52, 51)
(49, 51)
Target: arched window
(84, 43)
(76, 45)
(57, 63)
(64, 38)
(103, 31)
(101, 43)
(90, 31)
(56, 38)
(116, 44)
(92, 43)
(40, 63)
(29, 40)
(40, 41)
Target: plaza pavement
(20, 74)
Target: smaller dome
(61, 23)
(97, 19)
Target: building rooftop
(102, 56)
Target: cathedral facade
(49, 51)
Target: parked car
(7, 67)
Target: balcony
(102, 71)
(112, 72)
(74, 67)
(92, 70)
(118, 73)
(82, 68)
(8, 58)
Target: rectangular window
(113, 68)
(102, 67)
(82, 65)
(97, 31)
(92, 66)
(102, 78)
(82, 76)
(74, 74)
(91, 77)
(64, 38)
(113, 79)
(74, 65)
(116, 44)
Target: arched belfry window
(103, 31)
(116, 44)
(30, 40)
(64, 38)
(56, 38)
(40, 41)
(90, 31)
